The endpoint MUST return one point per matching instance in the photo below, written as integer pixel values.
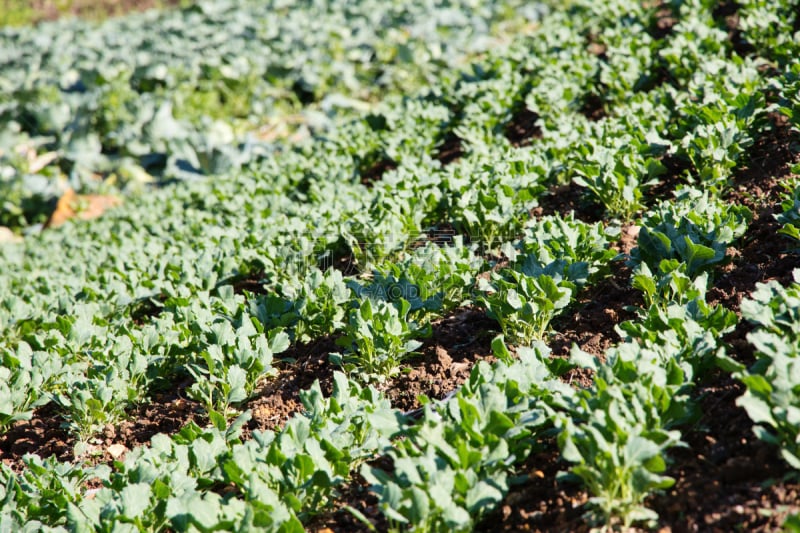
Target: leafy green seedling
(524, 305)
(696, 229)
(378, 338)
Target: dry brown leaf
(82, 206)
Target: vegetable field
(402, 266)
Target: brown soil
(445, 361)
(726, 479)
(565, 198)
(44, 435)
(676, 168)
(376, 171)
(597, 49)
(665, 21)
(590, 326)
(727, 15)
(253, 283)
(763, 254)
(452, 149)
(606, 303)
(521, 130)
(539, 502)
(442, 235)
(279, 399)
(144, 310)
(593, 107)
(357, 495)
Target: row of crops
(156, 97)
(395, 213)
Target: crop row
(371, 232)
(199, 91)
(616, 431)
(178, 266)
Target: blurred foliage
(22, 12)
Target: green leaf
(500, 351)
(757, 409)
(218, 420)
(728, 364)
(483, 496)
(134, 499)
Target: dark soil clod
(522, 129)
(563, 199)
(593, 107)
(451, 149)
(375, 172)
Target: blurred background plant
(20, 12)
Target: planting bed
(507, 267)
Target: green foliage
(318, 305)
(623, 427)
(491, 204)
(775, 308)
(792, 523)
(387, 216)
(789, 217)
(772, 399)
(277, 479)
(620, 473)
(769, 30)
(92, 403)
(694, 326)
(789, 87)
(378, 337)
(617, 171)
(719, 133)
(580, 250)
(696, 229)
(20, 12)
(452, 466)
(27, 199)
(43, 494)
(432, 279)
(524, 305)
(670, 284)
(228, 371)
(109, 100)
(231, 350)
(25, 378)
